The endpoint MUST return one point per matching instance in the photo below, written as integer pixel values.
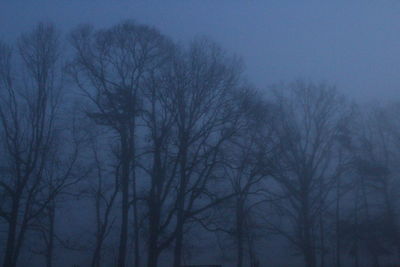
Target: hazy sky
(354, 44)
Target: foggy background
(351, 45)
(354, 45)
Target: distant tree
(305, 165)
(373, 224)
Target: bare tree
(305, 165)
(104, 192)
(243, 164)
(203, 88)
(30, 93)
(110, 67)
(63, 173)
(157, 163)
(187, 118)
(372, 225)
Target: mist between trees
(122, 148)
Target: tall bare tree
(203, 89)
(103, 191)
(158, 164)
(30, 93)
(62, 175)
(244, 166)
(187, 118)
(110, 67)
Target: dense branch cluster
(119, 147)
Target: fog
(199, 133)
(352, 44)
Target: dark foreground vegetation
(121, 148)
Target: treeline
(149, 142)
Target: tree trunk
(240, 250)
(239, 229)
(152, 260)
(310, 258)
(96, 254)
(179, 237)
(135, 215)
(11, 235)
(337, 215)
(309, 250)
(181, 203)
(155, 208)
(356, 254)
(154, 221)
(121, 262)
(322, 240)
(50, 246)
(96, 258)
